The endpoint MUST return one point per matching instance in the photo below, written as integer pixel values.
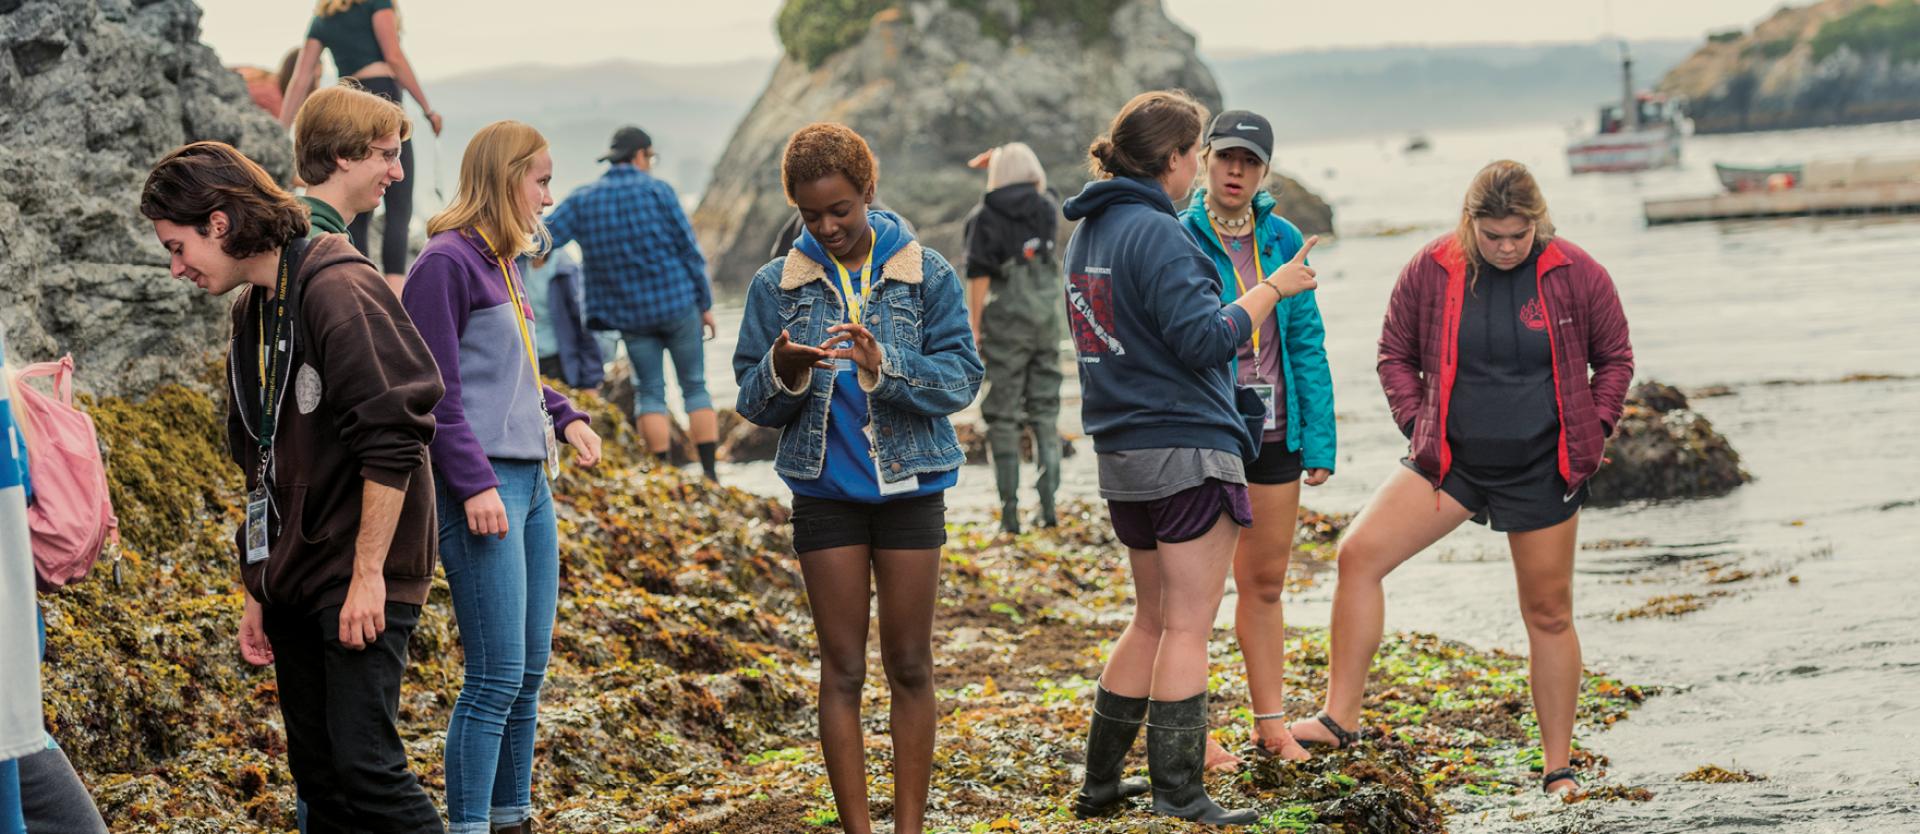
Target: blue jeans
(11, 820)
(505, 593)
(681, 337)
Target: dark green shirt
(322, 219)
(349, 36)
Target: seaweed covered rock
(92, 92)
(676, 639)
(680, 694)
(1663, 449)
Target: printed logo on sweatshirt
(1534, 315)
(306, 389)
(1090, 298)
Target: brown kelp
(680, 695)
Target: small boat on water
(1865, 185)
(1640, 132)
(1738, 178)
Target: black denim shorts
(1275, 465)
(902, 524)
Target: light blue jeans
(681, 336)
(505, 593)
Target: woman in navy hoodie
(1156, 348)
(856, 346)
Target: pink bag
(72, 515)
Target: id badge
(257, 511)
(911, 484)
(1271, 421)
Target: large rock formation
(931, 83)
(1831, 63)
(1663, 449)
(92, 92)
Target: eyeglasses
(387, 155)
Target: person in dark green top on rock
(364, 38)
(346, 148)
(1016, 305)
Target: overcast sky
(450, 37)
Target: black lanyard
(270, 315)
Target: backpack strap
(62, 373)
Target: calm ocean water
(1814, 683)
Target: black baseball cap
(1242, 129)
(628, 141)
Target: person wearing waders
(1014, 302)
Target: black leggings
(399, 199)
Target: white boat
(1640, 132)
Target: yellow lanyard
(1240, 284)
(519, 314)
(855, 301)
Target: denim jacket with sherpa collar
(930, 368)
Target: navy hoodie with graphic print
(1155, 343)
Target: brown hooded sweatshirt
(355, 404)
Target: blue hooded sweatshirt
(1155, 343)
(848, 473)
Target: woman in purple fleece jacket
(498, 427)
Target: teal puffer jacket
(1303, 353)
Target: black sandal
(1563, 774)
(1344, 738)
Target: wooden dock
(1881, 198)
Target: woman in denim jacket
(856, 346)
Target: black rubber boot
(1116, 723)
(1176, 760)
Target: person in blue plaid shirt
(647, 279)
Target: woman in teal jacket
(1232, 220)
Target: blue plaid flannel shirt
(642, 264)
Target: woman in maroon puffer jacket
(1485, 357)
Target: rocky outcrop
(1663, 449)
(92, 92)
(930, 84)
(1831, 63)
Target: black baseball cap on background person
(1242, 129)
(628, 141)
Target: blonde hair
(342, 122)
(488, 197)
(1502, 189)
(329, 8)
(1012, 163)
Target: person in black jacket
(1016, 307)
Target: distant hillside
(692, 110)
(1830, 63)
(689, 110)
(1346, 92)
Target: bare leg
(836, 580)
(703, 426)
(656, 430)
(907, 582)
(1260, 577)
(1404, 517)
(396, 282)
(1193, 579)
(1129, 669)
(1543, 567)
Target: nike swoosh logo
(1244, 126)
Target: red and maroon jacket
(1420, 352)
